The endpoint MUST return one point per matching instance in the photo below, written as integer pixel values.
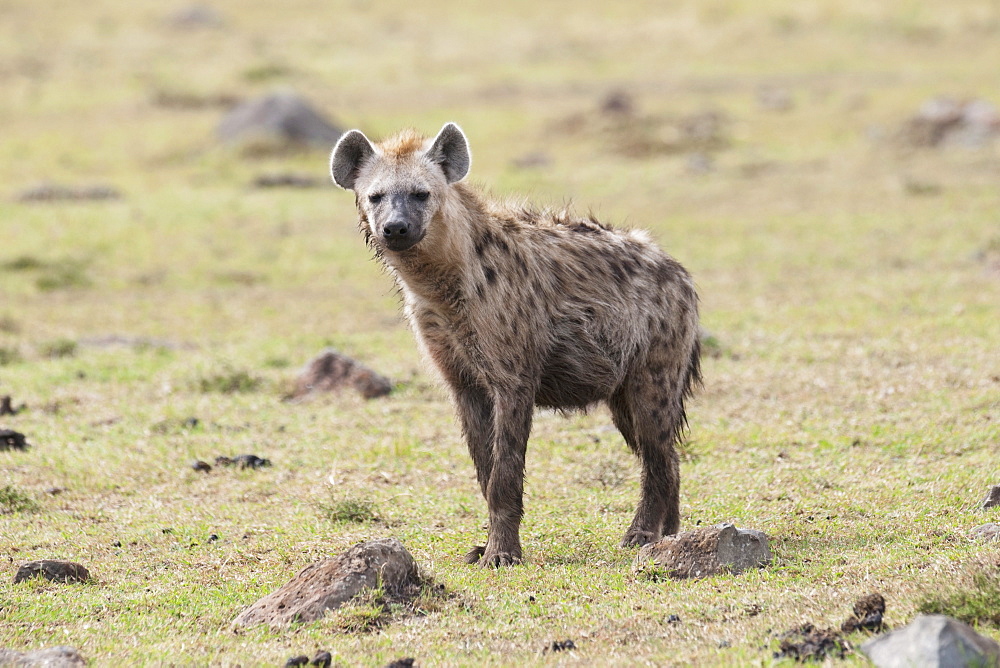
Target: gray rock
(50, 657)
(55, 570)
(932, 640)
(992, 498)
(328, 584)
(279, 119)
(330, 371)
(989, 531)
(703, 552)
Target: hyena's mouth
(401, 242)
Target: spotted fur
(519, 307)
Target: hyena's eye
(375, 198)
(420, 195)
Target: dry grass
(852, 413)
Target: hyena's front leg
(475, 410)
(504, 492)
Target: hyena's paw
(638, 538)
(473, 555)
(498, 558)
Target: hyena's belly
(575, 374)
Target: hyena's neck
(439, 270)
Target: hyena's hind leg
(648, 409)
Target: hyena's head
(401, 183)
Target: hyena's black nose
(395, 230)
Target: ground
(851, 410)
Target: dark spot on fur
(522, 266)
(616, 269)
(491, 274)
(480, 290)
(583, 228)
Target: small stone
(54, 491)
(196, 16)
(561, 646)
(322, 659)
(300, 660)
(868, 612)
(200, 466)
(932, 640)
(328, 584)
(533, 159)
(408, 662)
(808, 643)
(673, 619)
(992, 498)
(289, 180)
(7, 407)
(12, 440)
(50, 657)
(330, 371)
(989, 531)
(213, 537)
(243, 461)
(55, 570)
(618, 103)
(707, 551)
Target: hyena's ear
(351, 152)
(451, 150)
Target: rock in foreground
(50, 657)
(932, 640)
(328, 584)
(703, 552)
(55, 570)
(329, 371)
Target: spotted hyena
(519, 308)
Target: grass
(349, 510)
(229, 381)
(850, 407)
(13, 500)
(975, 602)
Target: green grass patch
(13, 500)
(10, 355)
(975, 602)
(58, 349)
(349, 510)
(229, 381)
(62, 275)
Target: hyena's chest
(447, 341)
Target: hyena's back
(601, 304)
